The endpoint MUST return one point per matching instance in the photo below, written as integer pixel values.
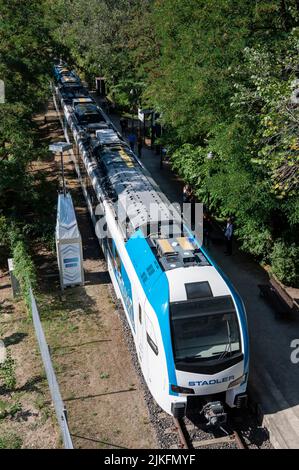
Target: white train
(188, 322)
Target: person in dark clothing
(207, 229)
(192, 201)
(186, 193)
(123, 125)
(163, 154)
(189, 197)
(228, 234)
(139, 145)
(132, 140)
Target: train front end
(209, 342)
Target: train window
(153, 345)
(151, 337)
(205, 329)
(117, 260)
(140, 314)
(109, 241)
(197, 290)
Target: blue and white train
(188, 322)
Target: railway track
(230, 438)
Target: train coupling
(214, 413)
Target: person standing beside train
(207, 229)
(132, 140)
(139, 144)
(228, 234)
(124, 125)
(186, 193)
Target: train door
(140, 332)
(124, 286)
(101, 229)
(152, 354)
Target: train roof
(86, 110)
(71, 93)
(138, 203)
(108, 137)
(140, 206)
(137, 199)
(199, 282)
(86, 107)
(82, 99)
(177, 252)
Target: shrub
(7, 372)
(285, 262)
(3, 230)
(8, 409)
(24, 270)
(255, 238)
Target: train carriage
(188, 323)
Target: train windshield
(205, 329)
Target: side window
(117, 260)
(140, 314)
(109, 241)
(151, 337)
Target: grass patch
(10, 441)
(46, 413)
(9, 409)
(104, 375)
(7, 372)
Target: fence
(51, 377)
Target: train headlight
(238, 381)
(185, 390)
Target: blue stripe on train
(125, 287)
(155, 284)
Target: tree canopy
(223, 76)
(27, 51)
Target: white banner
(71, 263)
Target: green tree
(27, 51)
(26, 46)
(107, 38)
(223, 81)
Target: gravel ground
(254, 435)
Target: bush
(8, 409)
(7, 372)
(255, 238)
(285, 263)
(24, 270)
(186, 159)
(3, 230)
